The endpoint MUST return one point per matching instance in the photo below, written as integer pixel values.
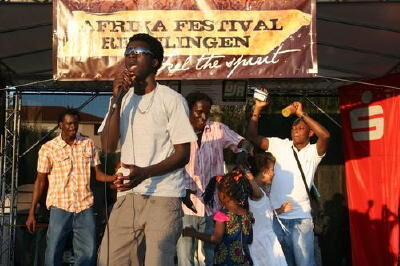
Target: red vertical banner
(371, 123)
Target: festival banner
(370, 120)
(202, 39)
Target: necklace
(149, 105)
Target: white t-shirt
(149, 127)
(288, 183)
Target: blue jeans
(187, 246)
(82, 225)
(298, 243)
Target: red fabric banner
(371, 123)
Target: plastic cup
(287, 111)
(260, 95)
(124, 171)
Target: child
(265, 249)
(233, 223)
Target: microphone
(121, 93)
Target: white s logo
(367, 128)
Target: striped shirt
(206, 162)
(68, 169)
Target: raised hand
(261, 104)
(298, 106)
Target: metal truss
(9, 166)
(9, 144)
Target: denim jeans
(82, 225)
(298, 243)
(187, 247)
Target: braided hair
(234, 184)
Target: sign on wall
(202, 39)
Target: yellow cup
(286, 112)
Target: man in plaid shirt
(64, 167)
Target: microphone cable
(112, 108)
(107, 228)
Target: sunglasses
(137, 51)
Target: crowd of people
(174, 197)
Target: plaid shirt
(68, 168)
(206, 162)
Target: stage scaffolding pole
(9, 160)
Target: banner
(202, 39)
(370, 120)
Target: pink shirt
(206, 162)
(219, 216)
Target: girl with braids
(265, 249)
(233, 223)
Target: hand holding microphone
(121, 85)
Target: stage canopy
(355, 40)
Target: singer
(151, 122)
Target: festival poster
(370, 120)
(202, 39)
